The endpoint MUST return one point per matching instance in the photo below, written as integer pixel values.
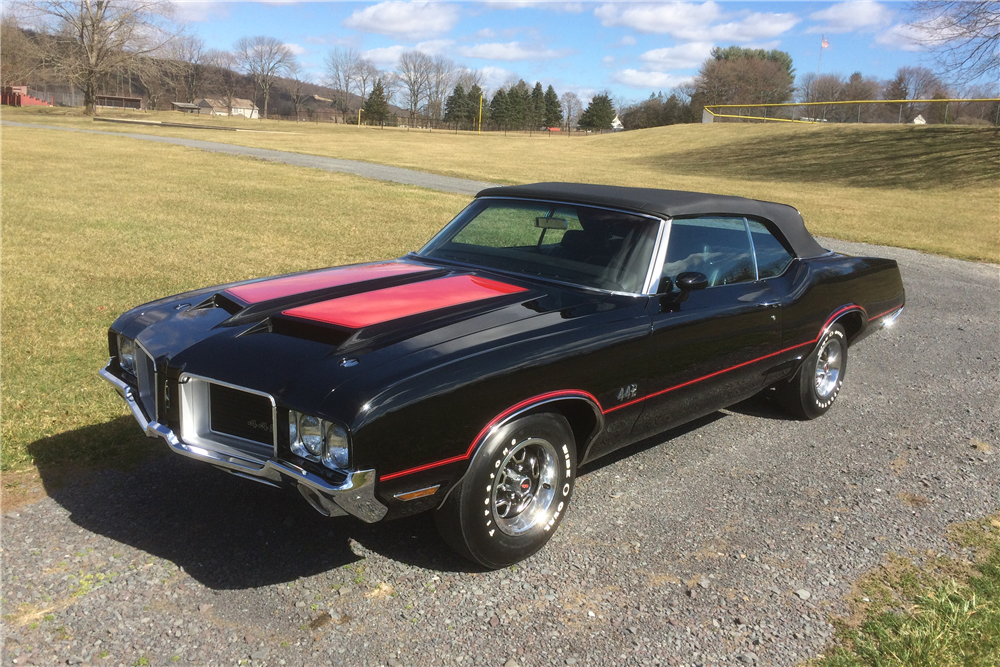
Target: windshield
(582, 245)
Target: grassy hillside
(931, 188)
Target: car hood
(299, 337)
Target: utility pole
(480, 113)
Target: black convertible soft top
(673, 204)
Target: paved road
(366, 169)
(684, 550)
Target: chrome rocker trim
(356, 496)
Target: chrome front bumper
(355, 496)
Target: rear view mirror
(551, 223)
(691, 280)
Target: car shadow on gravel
(761, 407)
(231, 533)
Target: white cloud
(902, 37)
(683, 56)
(512, 51)
(494, 77)
(405, 19)
(199, 12)
(607, 60)
(486, 33)
(628, 40)
(649, 80)
(388, 56)
(851, 17)
(696, 22)
(296, 49)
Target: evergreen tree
(456, 107)
(500, 109)
(536, 107)
(599, 113)
(376, 107)
(517, 105)
(474, 96)
(553, 110)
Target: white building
(216, 107)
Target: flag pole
(821, 46)
(480, 113)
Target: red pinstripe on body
(500, 417)
(583, 394)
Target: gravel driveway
(687, 549)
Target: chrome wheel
(828, 365)
(524, 486)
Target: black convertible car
(545, 326)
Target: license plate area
(226, 418)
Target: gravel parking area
(729, 542)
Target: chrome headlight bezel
(126, 354)
(333, 449)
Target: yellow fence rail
(713, 111)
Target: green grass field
(927, 611)
(931, 188)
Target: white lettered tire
(515, 494)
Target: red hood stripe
(267, 290)
(361, 310)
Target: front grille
(241, 414)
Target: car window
(583, 245)
(516, 226)
(717, 247)
(772, 257)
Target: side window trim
(753, 251)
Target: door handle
(769, 304)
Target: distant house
(216, 107)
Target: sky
(629, 49)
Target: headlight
(318, 440)
(126, 354)
(335, 454)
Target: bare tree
(188, 52)
(341, 67)
(571, 108)
(225, 76)
(264, 59)
(439, 84)
(20, 55)
(295, 86)
(156, 76)
(965, 35)
(390, 81)
(365, 75)
(98, 38)
(414, 72)
(469, 78)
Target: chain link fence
(984, 112)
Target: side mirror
(691, 280)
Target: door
(709, 347)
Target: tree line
(110, 45)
